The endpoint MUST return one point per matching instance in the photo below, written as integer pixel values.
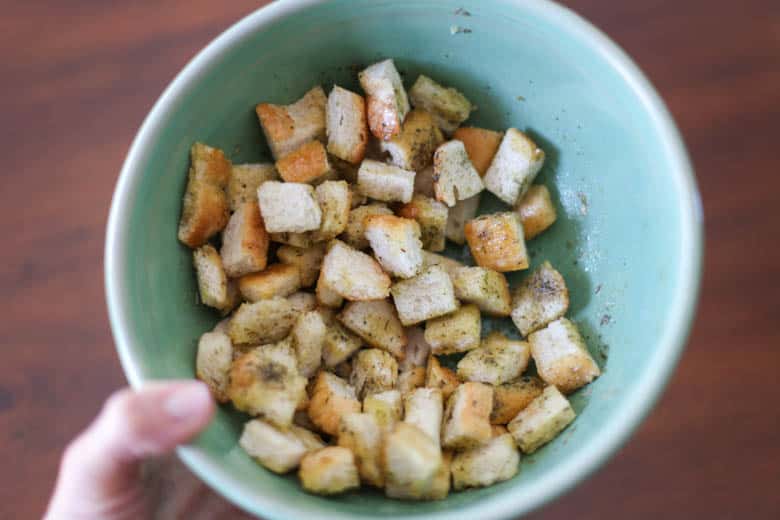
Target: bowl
(628, 239)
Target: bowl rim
(559, 479)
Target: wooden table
(78, 77)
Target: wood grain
(78, 78)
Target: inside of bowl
(616, 240)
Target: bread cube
(562, 357)
(412, 149)
(326, 295)
(334, 199)
(386, 102)
(542, 420)
(440, 486)
(458, 215)
(481, 145)
(498, 360)
(496, 242)
(357, 198)
(495, 461)
(331, 398)
(287, 127)
(306, 163)
(431, 215)
(339, 344)
(514, 167)
(288, 207)
(416, 350)
(264, 321)
(360, 433)
(373, 371)
(346, 125)
(307, 260)
(377, 322)
(276, 280)
(355, 233)
(308, 337)
(302, 240)
(385, 182)
(329, 471)
(244, 242)
(540, 298)
(410, 378)
(212, 280)
(454, 177)
(467, 416)
(396, 244)
(486, 288)
(212, 364)
(441, 377)
(386, 407)
(448, 264)
(424, 407)
(279, 450)
(510, 398)
(302, 302)
(244, 181)
(352, 274)
(537, 212)
(458, 331)
(412, 460)
(234, 298)
(428, 295)
(448, 106)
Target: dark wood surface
(78, 77)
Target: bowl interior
(623, 240)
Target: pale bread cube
(377, 322)
(334, 199)
(339, 344)
(347, 127)
(449, 265)
(454, 177)
(448, 106)
(537, 212)
(458, 215)
(411, 460)
(287, 127)
(424, 408)
(396, 244)
(373, 371)
(357, 198)
(561, 356)
(278, 280)
(432, 216)
(467, 416)
(279, 450)
(410, 378)
(326, 295)
(495, 461)
(441, 377)
(540, 298)
(308, 261)
(510, 398)
(353, 274)
(355, 233)
(496, 241)
(212, 280)
(427, 295)
(329, 471)
(264, 321)
(423, 181)
(360, 433)
(244, 181)
(416, 350)
(212, 364)
(302, 302)
(331, 398)
(386, 407)
(385, 182)
(244, 242)
(458, 331)
(412, 149)
(440, 486)
(387, 103)
(481, 145)
(288, 207)
(514, 167)
(542, 420)
(498, 360)
(308, 337)
(486, 288)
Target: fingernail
(188, 400)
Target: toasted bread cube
(205, 206)
(424, 407)
(496, 242)
(458, 331)
(356, 198)
(432, 216)
(234, 298)
(288, 207)
(510, 398)
(416, 350)
(245, 242)
(212, 365)
(329, 471)
(412, 460)
(302, 302)
(261, 322)
(495, 461)
(386, 407)
(498, 360)
(334, 199)
(410, 378)
(412, 149)
(454, 177)
(386, 103)
(302, 240)
(288, 127)
(486, 288)
(449, 265)
(355, 233)
(440, 486)
(385, 182)
(308, 337)
(346, 125)
(438, 376)
(423, 182)
(279, 450)
(373, 371)
(212, 280)
(514, 167)
(448, 106)
(467, 416)
(276, 280)
(326, 295)
(339, 344)
(307, 260)
(542, 297)
(427, 295)
(244, 181)
(481, 145)
(562, 357)
(458, 215)
(542, 420)
(376, 321)
(396, 244)
(307, 163)
(354, 275)
(360, 433)
(537, 212)
(331, 398)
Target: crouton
(212, 364)
(458, 215)
(412, 460)
(339, 344)
(486, 288)
(496, 242)
(481, 145)
(431, 215)
(360, 433)
(346, 125)
(514, 167)
(373, 371)
(396, 244)
(356, 198)
(448, 264)
(287, 127)
(412, 149)
(562, 357)
(497, 430)
(423, 181)
(334, 199)
(454, 177)
(329, 471)
(302, 240)
(308, 336)
(276, 280)
(264, 321)
(205, 206)
(385, 182)
(510, 398)
(331, 398)
(498, 360)
(448, 106)
(438, 376)
(424, 407)
(307, 260)
(542, 420)
(440, 486)
(386, 407)
(427, 295)
(467, 416)
(416, 349)
(352, 274)
(326, 295)
(410, 378)
(244, 242)
(355, 233)
(306, 163)
(244, 181)
(279, 450)
(376, 321)
(386, 103)
(537, 212)
(458, 331)
(540, 298)
(302, 302)
(288, 207)
(212, 280)
(234, 298)
(495, 461)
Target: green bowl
(628, 238)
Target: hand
(99, 475)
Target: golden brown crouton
(360, 433)
(385, 182)
(264, 321)
(540, 298)
(279, 450)
(412, 149)
(438, 376)
(329, 471)
(331, 398)
(308, 337)
(497, 360)
(355, 233)
(561, 356)
(496, 242)
(454, 177)
(288, 127)
(481, 145)
(215, 355)
(212, 280)
(458, 215)
(410, 378)
(458, 331)
(373, 371)
(514, 167)
(354, 275)
(466, 418)
(205, 205)
(334, 198)
(396, 244)
(510, 398)
(431, 215)
(427, 295)
(386, 407)
(376, 321)
(308, 261)
(339, 344)
(411, 460)
(304, 164)
(448, 106)
(424, 407)
(542, 420)
(484, 465)
(386, 103)
(486, 288)
(245, 242)
(346, 125)
(276, 280)
(537, 212)
(244, 181)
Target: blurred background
(77, 79)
